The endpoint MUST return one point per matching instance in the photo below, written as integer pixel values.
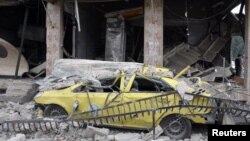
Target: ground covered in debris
(15, 111)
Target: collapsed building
(201, 37)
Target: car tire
(176, 127)
(54, 111)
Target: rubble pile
(66, 132)
(15, 111)
(67, 74)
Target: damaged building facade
(58, 43)
(202, 34)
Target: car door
(91, 98)
(80, 92)
(142, 88)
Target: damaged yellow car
(130, 102)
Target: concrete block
(92, 131)
(20, 91)
(149, 136)
(18, 137)
(164, 138)
(196, 137)
(127, 137)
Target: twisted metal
(116, 113)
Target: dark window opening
(162, 85)
(3, 91)
(80, 89)
(113, 84)
(107, 90)
(154, 85)
(3, 52)
(142, 84)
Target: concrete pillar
(247, 46)
(54, 34)
(153, 32)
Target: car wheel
(54, 111)
(176, 126)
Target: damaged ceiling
(195, 32)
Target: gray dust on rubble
(15, 111)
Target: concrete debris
(184, 55)
(182, 87)
(214, 49)
(92, 69)
(38, 68)
(4, 83)
(111, 137)
(127, 137)
(57, 85)
(64, 127)
(149, 136)
(52, 83)
(100, 138)
(228, 120)
(18, 137)
(69, 72)
(92, 131)
(180, 57)
(15, 111)
(219, 73)
(20, 91)
(163, 138)
(196, 137)
(198, 73)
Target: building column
(153, 32)
(54, 34)
(247, 47)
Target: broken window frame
(157, 81)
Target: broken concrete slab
(196, 137)
(186, 139)
(204, 45)
(180, 57)
(38, 68)
(57, 85)
(228, 120)
(69, 72)
(219, 72)
(18, 137)
(64, 127)
(127, 137)
(214, 49)
(20, 91)
(149, 136)
(111, 137)
(163, 138)
(4, 83)
(15, 111)
(182, 87)
(92, 68)
(100, 138)
(92, 131)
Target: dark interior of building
(188, 22)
